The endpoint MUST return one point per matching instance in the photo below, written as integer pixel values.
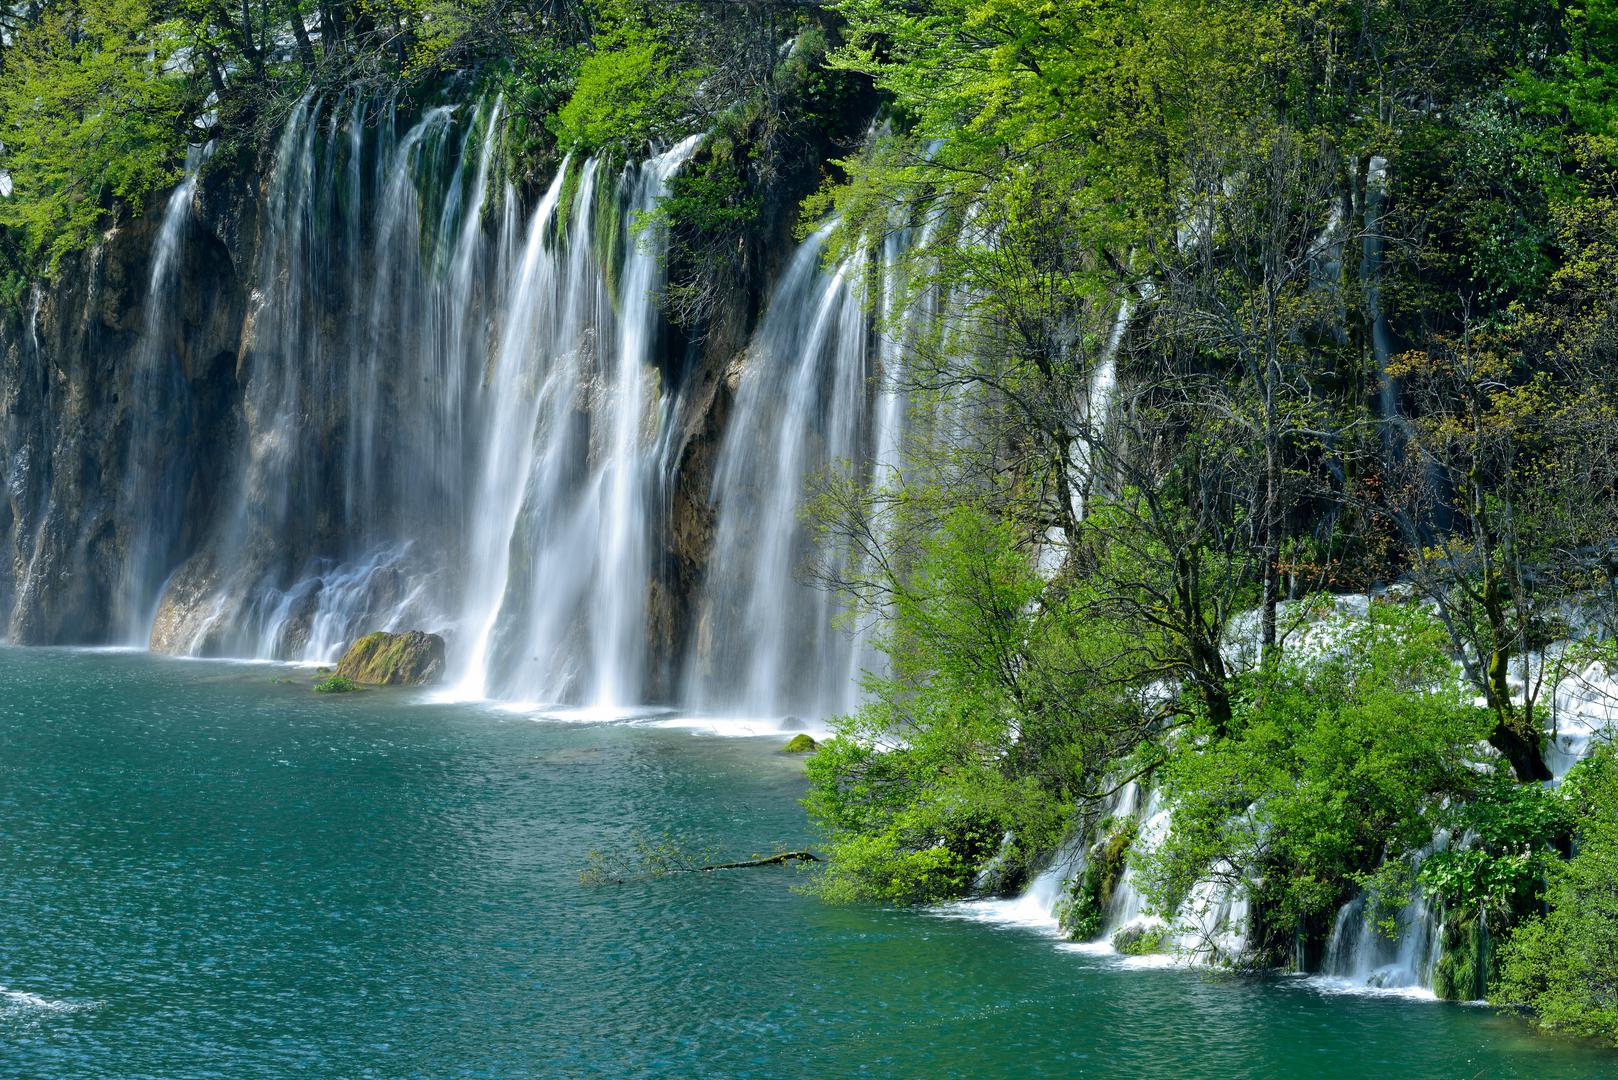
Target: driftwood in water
(784, 857)
(657, 857)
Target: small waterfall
(1358, 953)
(151, 498)
(765, 641)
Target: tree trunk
(1522, 751)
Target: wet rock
(800, 744)
(1141, 940)
(412, 658)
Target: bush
(1515, 832)
(939, 773)
(1142, 941)
(336, 684)
(1332, 764)
(628, 92)
(1562, 967)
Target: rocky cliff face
(69, 402)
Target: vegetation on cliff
(411, 658)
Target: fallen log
(783, 857)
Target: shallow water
(208, 870)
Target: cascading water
(383, 447)
(450, 412)
(152, 494)
(555, 607)
(1359, 953)
(765, 641)
(349, 475)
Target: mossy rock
(382, 659)
(1141, 940)
(1082, 912)
(1465, 959)
(800, 744)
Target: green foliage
(1465, 958)
(1331, 763)
(89, 115)
(535, 84)
(336, 684)
(1142, 941)
(1579, 87)
(630, 88)
(949, 764)
(1513, 833)
(1562, 966)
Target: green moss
(1141, 941)
(383, 659)
(336, 684)
(1465, 959)
(799, 744)
(1082, 915)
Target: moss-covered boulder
(1082, 912)
(382, 659)
(1141, 940)
(1465, 959)
(800, 744)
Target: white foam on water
(743, 727)
(22, 1001)
(1337, 984)
(1025, 911)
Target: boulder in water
(412, 658)
(1141, 940)
(800, 744)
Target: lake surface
(207, 870)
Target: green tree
(89, 115)
(1332, 763)
(1562, 967)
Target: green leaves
(88, 114)
(1334, 762)
(1562, 966)
(625, 94)
(973, 748)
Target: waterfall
(1360, 954)
(1377, 183)
(151, 498)
(765, 640)
(364, 328)
(555, 605)
(457, 408)
(507, 450)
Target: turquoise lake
(206, 870)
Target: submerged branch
(771, 860)
(654, 857)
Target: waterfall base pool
(208, 870)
